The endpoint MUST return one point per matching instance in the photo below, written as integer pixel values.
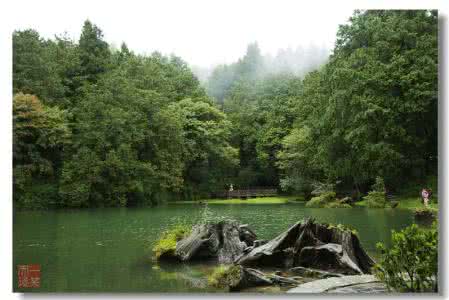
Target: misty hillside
(220, 79)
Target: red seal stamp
(29, 276)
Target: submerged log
(224, 241)
(250, 278)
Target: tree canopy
(96, 126)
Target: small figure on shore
(231, 188)
(425, 195)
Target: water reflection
(110, 249)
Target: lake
(109, 250)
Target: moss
(166, 245)
(342, 227)
(322, 200)
(224, 276)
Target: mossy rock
(237, 278)
(225, 276)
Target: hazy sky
(201, 32)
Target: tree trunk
(224, 241)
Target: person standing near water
(425, 196)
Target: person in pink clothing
(425, 196)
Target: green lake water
(109, 250)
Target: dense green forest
(96, 126)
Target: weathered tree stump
(224, 241)
(312, 245)
(305, 246)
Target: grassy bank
(260, 200)
(405, 201)
(408, 202)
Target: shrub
(411, 264)
(375, 199)
(322, 200)
(338, 204)
(320, 188)
(224, 276)
(166, 245)
(379, 185)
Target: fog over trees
(218, 80)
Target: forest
(100, 126)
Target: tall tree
(40, 134)
(93, 52)
(372, 110)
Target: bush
(379, 185)
(337, 204)
(224, 276)
(375, 199)
(322, 200)
(411, 264)
(320, 188)
(166, 245)
(37, 196)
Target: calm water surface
(106, 250)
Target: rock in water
(337, 284)
(224, 241)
